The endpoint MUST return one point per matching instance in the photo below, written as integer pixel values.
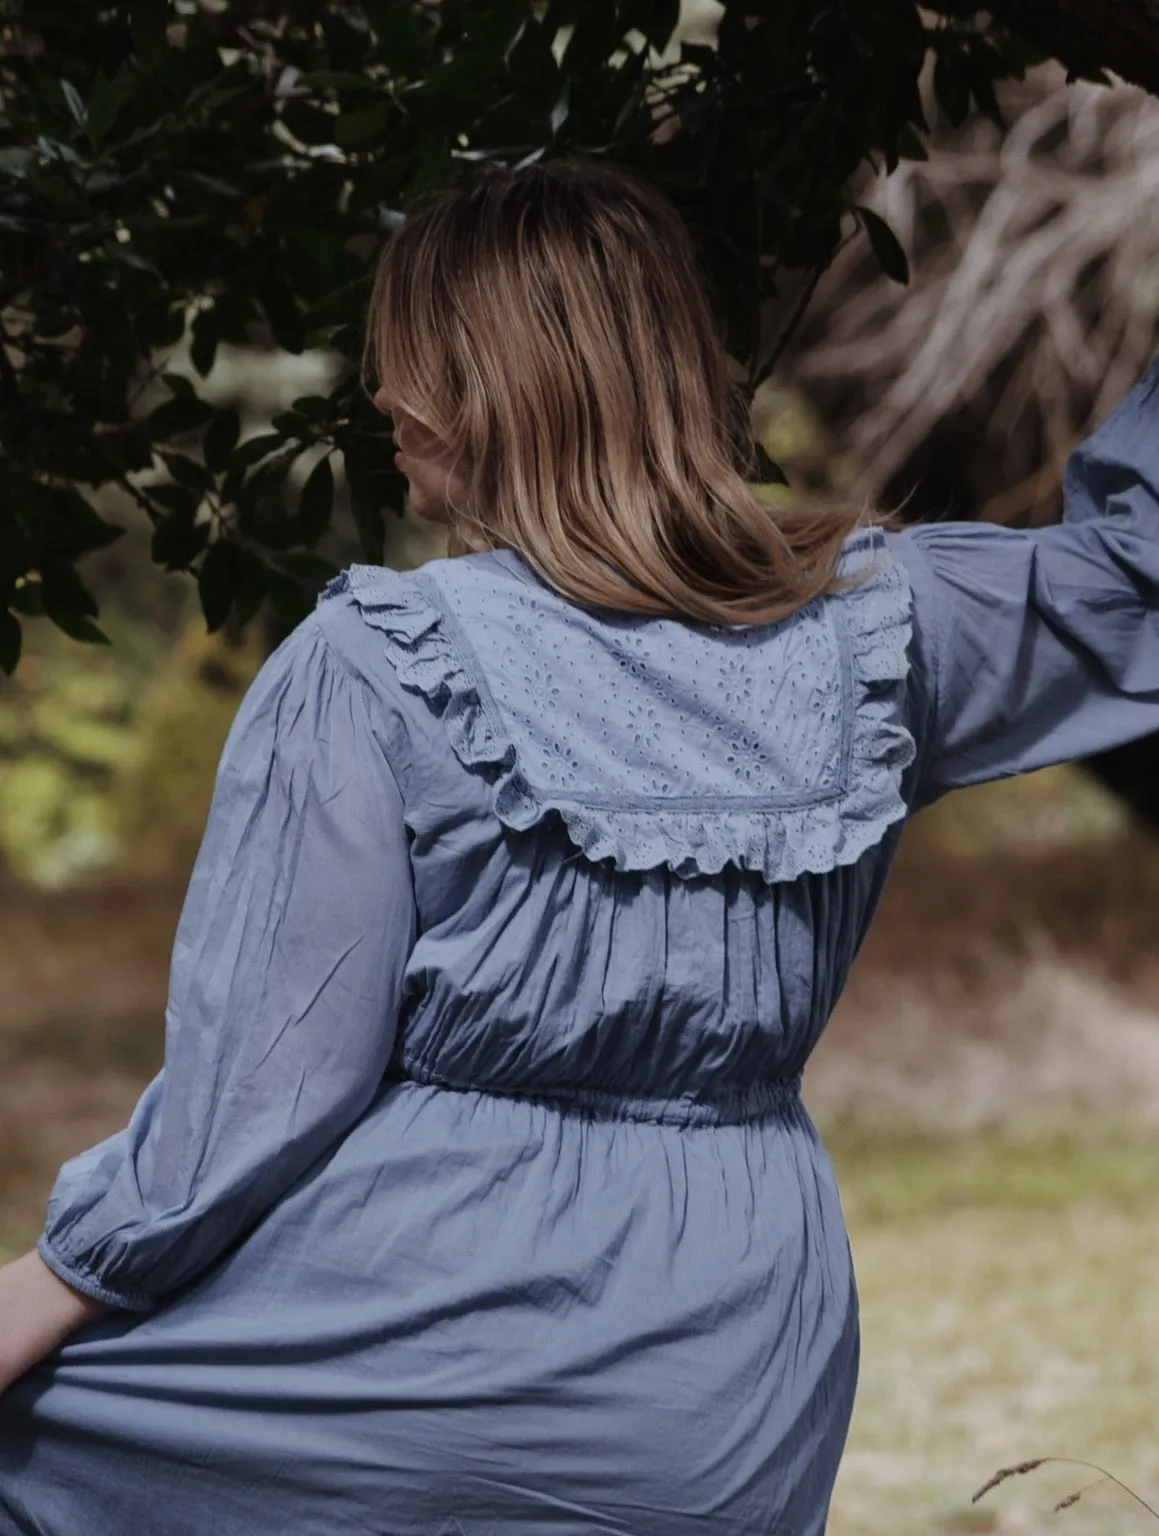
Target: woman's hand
(38, 1311)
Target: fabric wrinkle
(478, 1189)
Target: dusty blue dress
(477, 1195)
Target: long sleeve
(1042, 646)
(284, 990)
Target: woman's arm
(37, 1312)
(284, 992)
(1042, 646)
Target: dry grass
(993, 1334)
(88, 958)
(82, 996)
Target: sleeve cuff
(129, 1301)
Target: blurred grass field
(1010, 1310)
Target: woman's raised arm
(1035, 647)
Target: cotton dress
(477, 1195)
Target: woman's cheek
(429, 493)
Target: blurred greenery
(67, 725)
(159, 798)
(1057, 807)
(107, 755)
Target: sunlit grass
(996, 1335)
(1008, 1285)
(897, 1174)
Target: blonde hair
(550, 326)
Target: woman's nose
(381, 402)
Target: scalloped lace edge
(780, 845)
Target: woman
(477, 1194)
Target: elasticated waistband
(761, 1101)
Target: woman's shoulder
(777, 748)
(351, 618)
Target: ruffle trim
(781, 844)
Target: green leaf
(910, 146)
(77, 627)
(282, 314)
(28, 599)
(69, 604)
(178, 541)
(368, 520)
(290, 603)
(15, 160)
(434, 169)
(221, 439)
(561, 108)
(404, 39)
(339, 81)
(308, 123)
(291, 424)
(60, 194)
(72, 98)
(11, 640)
(216, 582)
(255, 448)
(305, 566)
(148, 28)
(886, 246)
(204, 339)
(233, 313)
(952, 88)
(769, 472)
(104, 107)
(263, 513)
(187, 471)
(367, 123)
(251, 585)
(74, 526)
(65, 594)
(985, 65)
(177, 498)
(656, 19)
(314, 408)
(125, 256)
(316, 503)
(177, 416)
(343, 304)
(162, 324)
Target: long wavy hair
(551, 326)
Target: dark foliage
(224, 172)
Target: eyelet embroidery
(779, 749)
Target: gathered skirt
(478, 1315)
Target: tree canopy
(179, 174)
